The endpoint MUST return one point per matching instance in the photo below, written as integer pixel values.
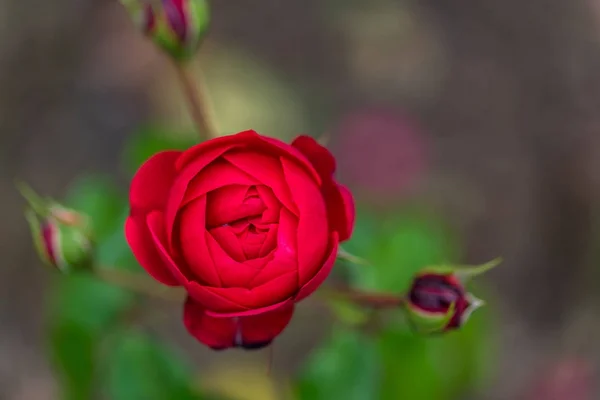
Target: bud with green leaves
(62, 236)
(176, 26)
(438, 301)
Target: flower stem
(366, 299)
(197, 98)
(139, 284)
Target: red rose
(249, 225)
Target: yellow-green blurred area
(467, 130)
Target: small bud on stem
(62, 236)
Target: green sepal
(427, 323)
(464, 273)
(351, 258)
(197, 19)
(75, 247)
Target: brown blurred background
(506, 94)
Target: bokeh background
(467, 130)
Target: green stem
(197, 97)
(140, 284)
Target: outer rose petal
(263, 328)
(323, 273)
(151, 183)
(142, 245)
(217, 333)
(350, 210)
(222, 332)
(312, 230)
(251, 139)
(319, 156)
(340, 204)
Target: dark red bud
(435, 294)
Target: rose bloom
(247, 224)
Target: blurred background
(467, 130)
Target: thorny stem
(197, 98)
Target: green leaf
(114, 251)
(72, 354)
(82, 310)
(397, 246)
(407, 369)
(100, 199)
(139, 368)
(151, 140)
(83, 300)
(445, 366)
(346, 367)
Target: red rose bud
(177, 26)
(247, 224)
(438, 302)
(62, 237)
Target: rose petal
(230, 203)
(273, 269)
(350, 214)
(312, 235)
(156, 225)
(222, 332)
(192, 238)
(340, 209)
(319, 156)
(255, 311)
(241, 299)
(229, 242)
(217, 333)
(323, 273)
(186, 172)
(231, 272)
(207, 149)
(270, 242)
(340, 204)
(271, 213)
(141, 243)
(212, 300)
(251, 140)
(217, 175)
(287, 231)
(287, 150)
(265, 327)
(151, 183)
(268, 171)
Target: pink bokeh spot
(380, 153)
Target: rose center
(242, 221)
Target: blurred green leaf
(72, 353)
(114, 251)
(444, 366)
(149, 141)
(98, 197)
(139, 368)
(346, 367)
(83, 300)
(407, 368)
(397, 246)
(82, 310)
